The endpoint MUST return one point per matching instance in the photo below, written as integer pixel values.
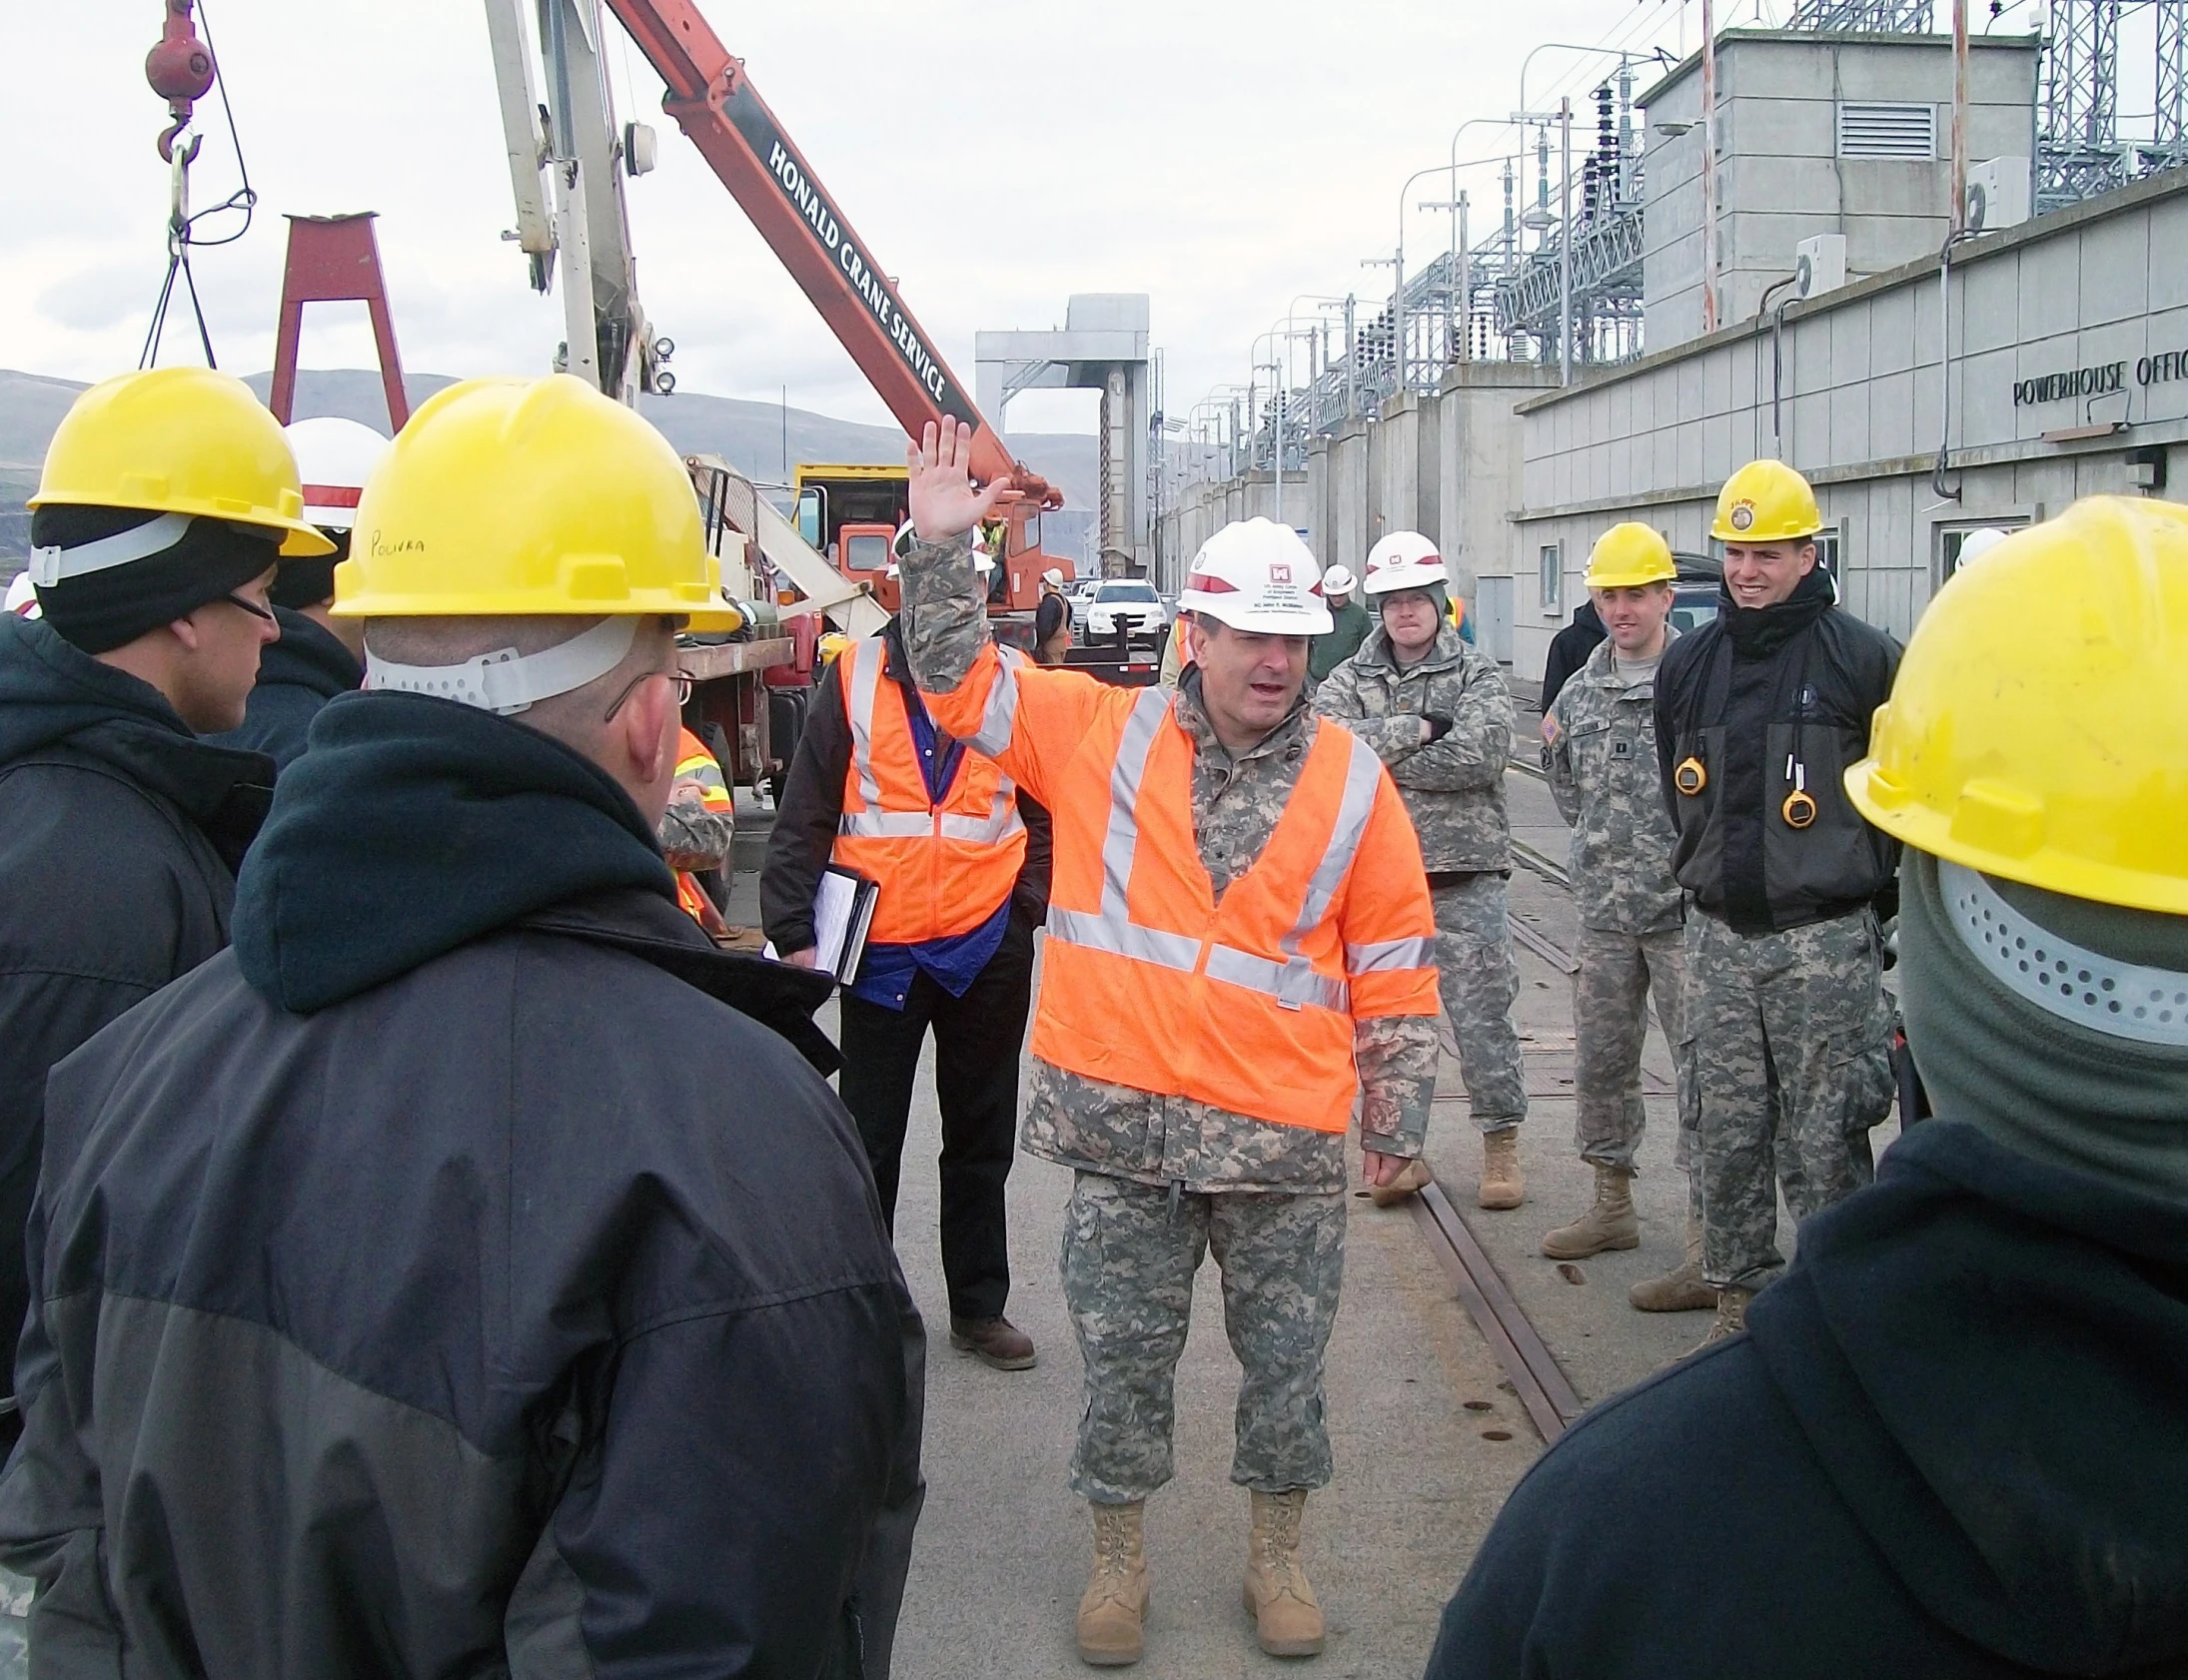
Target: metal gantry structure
(2080, 150)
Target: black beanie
(308, 583)
(102, 610)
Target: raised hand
(945, 502)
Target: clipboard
(844, 906)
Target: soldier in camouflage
(1163, 1178)
(1759, 715)
(1437, 715)
(1600, 752)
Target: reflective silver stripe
(1294, 985)
(1000, 717)
(1001, 822)
(885, 825)
(1124, 939)
(1121, 841)
(867, 657)
(1386, 955)
(1354, 806)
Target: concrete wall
(1859, 408)
(1779, 177)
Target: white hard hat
(1404, 560)
(1052, 575)
(1257, 575)
(1978, 544)
(23, 597)
(1338, 581)
(333, 458)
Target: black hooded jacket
(297, 675)
(1952, 1446)
(120, 833)
(1568, 651)
(460, 1275)
(1769, 702)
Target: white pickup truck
(1127, 603)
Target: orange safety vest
(942, 867)
(697, 765)
(1148, 981)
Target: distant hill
(750, 435)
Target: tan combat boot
(1502, 1184)
(1413, 1179)
(1609, 1224)
(1114, 1606)
(1287, 1620)
(1682, 1289)
(1731, 1315)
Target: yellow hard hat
(2056, 756)
(504, 498)
(831, 645)
(1765, 502)
(186, 441)
(1627, 555)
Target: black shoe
(993, 1342)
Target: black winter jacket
(120, 833)
(1568, 651)
(1767, 701)
(297, 675)
(804, 838)
(521, 1305)
(1950, 1446)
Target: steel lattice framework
(1867, 17)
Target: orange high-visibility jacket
(695, 768)
(1148, 982)
(942, 868)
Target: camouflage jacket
(1454, 787)
(1149, 1137)
(1602, 772)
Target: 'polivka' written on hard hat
(1257, 575)
(1404, 560)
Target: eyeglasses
(252, 608)
(683, 679)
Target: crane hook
(179, 69)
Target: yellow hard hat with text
(2051, 751)
(1765, 502)
(1628, 555)
(504, 498)
(184, 441)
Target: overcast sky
(1223, 156)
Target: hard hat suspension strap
(2097, 993)
(50, 564)
(506, 682)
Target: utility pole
(1352, 360)
(1709, 165)
(1564, 241)
(1959, 118)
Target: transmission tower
(2078, 101)
(1865, 17)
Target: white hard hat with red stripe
(1257, 575)
(1404, 560)
(333, 458)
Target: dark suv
(1695, 595)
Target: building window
(1553, 578)
(1829, 541)
(1952, 538)
(1886, 129)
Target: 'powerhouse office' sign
(2100, 378)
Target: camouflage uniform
(1163, 1177)
(1453, 789)
(1602, 774)
(1799, 1068)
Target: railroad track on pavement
(1544, 1391)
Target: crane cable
(182, 222)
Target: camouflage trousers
(1791, 1042)
(1129, 1255)
(1619, 973)
(1480, 981)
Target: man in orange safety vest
(1240, 949)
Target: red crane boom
(723, 114)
